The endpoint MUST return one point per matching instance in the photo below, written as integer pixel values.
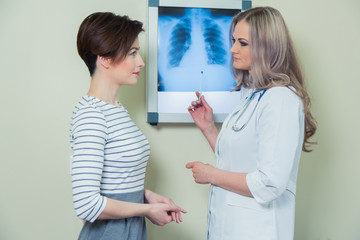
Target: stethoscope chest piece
(238, 128)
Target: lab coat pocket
(234, 199)
(247, 218)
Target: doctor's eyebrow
(240, 39)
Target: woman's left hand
(151, 197)
(202, 173)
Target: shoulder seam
(97, 110)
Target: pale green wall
(42, 78)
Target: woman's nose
(141, 62)
(234, 49)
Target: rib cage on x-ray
(180, 41)
(214, 42)
(189, 44)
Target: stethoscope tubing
(235, 127)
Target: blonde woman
(258, 149)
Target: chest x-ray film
(188, 51)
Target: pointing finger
(189, 165)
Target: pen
(201, 83)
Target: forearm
(232, 181)
(116, 209)
(211, 135)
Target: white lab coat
(268, 149)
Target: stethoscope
(238, 128)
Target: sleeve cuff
(258, 189)
(100, 210)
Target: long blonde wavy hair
(273, 59)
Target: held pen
(201, 83)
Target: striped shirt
(110, 155)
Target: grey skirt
(121, 229)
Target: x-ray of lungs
(189, 50)
(191, 41)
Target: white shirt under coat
(269, 150)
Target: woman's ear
(104, 61)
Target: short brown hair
(108, 35)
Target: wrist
(147, 210)
(213, 176)
(147, 195)
(210, 130)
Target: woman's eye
(133, 52)
(243, 44)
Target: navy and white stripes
(109, 155)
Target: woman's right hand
(203, 117)
(202, 113)
(160, 213)
(151, 197)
